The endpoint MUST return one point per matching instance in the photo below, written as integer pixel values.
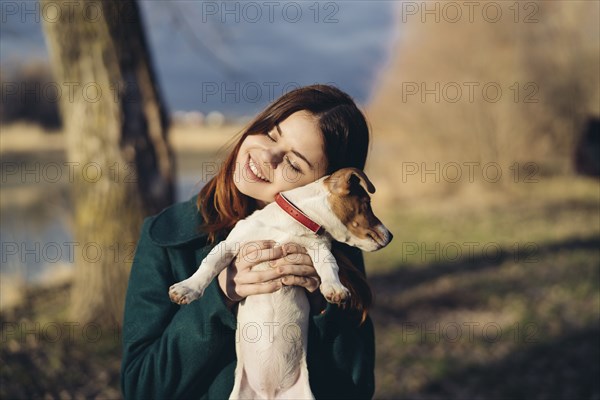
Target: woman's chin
(260, 197)
(262, 200)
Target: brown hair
(346, 137)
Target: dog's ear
(363, 180)
(341, 181)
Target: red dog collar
(297, 214)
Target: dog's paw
(181, 293)
(334, 292)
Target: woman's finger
(297, 269)
(294, 258)
(248, 277)
(256, 245)
(259, 288)
(291, 247)
(313, 284)
(251, 255)
(310, 283)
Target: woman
(189, 352)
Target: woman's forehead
(301, 130)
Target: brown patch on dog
(351, 203)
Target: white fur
(272, 328)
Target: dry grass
(45, 355)
(519, 320)
(522, 323)
(24, 137)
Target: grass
(44, 355)
(514, 324)
(517, 322)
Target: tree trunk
(116, 129)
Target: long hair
(346, 138)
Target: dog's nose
(387, 237)
(382, 235)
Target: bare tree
(116, 129)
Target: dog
(335, 207)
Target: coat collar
(177, 225)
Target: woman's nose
(271, 157)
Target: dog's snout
(384, 236)
(380, 235)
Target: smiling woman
(281, 162)
(186, 352)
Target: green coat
(177, 352)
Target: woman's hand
(290, 266)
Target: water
(35, 228)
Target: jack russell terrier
(335, 207)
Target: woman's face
(290, 155)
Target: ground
(473, 299)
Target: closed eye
(287, 159)
(271, 137)
(294, 167)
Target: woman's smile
(255, 171)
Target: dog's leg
(242, 389)
(327, 268)
(237, 382)
(216, 261)
(241, 386)
(301, 389)
(237, 391)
